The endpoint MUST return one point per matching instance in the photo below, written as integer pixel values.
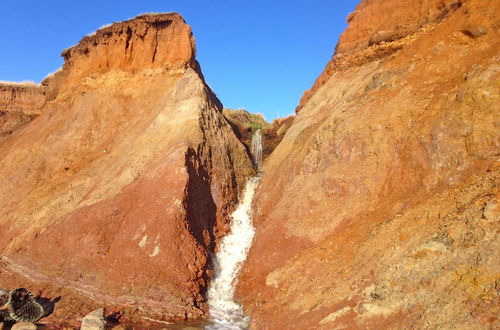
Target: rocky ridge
(379, 208)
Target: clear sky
(260, 55)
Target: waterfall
(224, 311)
(257, 149)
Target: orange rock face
(20, 103)
(119, 190)
(379, 208)
(379, 22)
(148, 41)
(21, 97)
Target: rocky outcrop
(20, 103)
(274, 133)
(27, 98)
(149, 41)
(379, 208)
(118, 192)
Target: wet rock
(94, 320)
(245, 123)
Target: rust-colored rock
(379, 208)
(117, 193)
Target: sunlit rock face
(120, 189)
(379, 208)
(381, 23)
(20, 103)
(24, 97)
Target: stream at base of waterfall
(225, 313)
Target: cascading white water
(257, 149)
(233, 249)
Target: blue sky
(260, 55)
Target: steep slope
(379, 208)
(119, 190)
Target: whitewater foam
(257, 149)
(224, 311)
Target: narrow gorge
(125, 184)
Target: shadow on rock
(47, 304)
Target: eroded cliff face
(379, 208)
(118, 191)
(20, 103)
(376, 26)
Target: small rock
(24, 326)
(387, 36)
(94, 320)
(118, 327)
(475, 31)
(490, 212)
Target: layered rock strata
(118, 192)
(20, 103)
(379, 208)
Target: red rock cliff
(118, 191)
(148, 41)
(379, 208)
